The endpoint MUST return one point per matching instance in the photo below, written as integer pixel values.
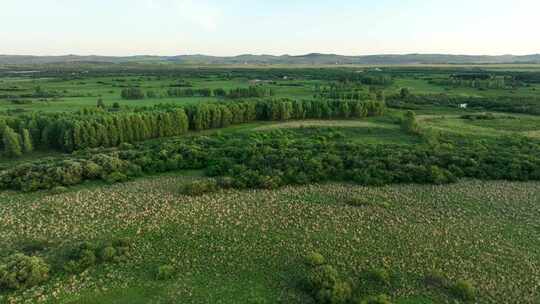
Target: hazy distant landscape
(308, 59)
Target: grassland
(247, 246)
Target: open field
(246, 246)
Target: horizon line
(263, 54)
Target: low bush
(165, 272)
(59, 190)
(380, 299)
(322, 277)
(463, 290)
(436, 279)
(116, 177)
(339, 293)
(87, 254)
(20, 271)
(314, 259)
(199, 187)
(379, 276)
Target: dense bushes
(87, 254)
(328, 286)
(199, 187)
(20, 271)
(478, 82)
(273, 159)
(512, 104)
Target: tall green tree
(27, 145)
(12, 143)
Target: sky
(233, 27)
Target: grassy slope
(242, 246)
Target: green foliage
(380, 299)
(339, 293)
(116, 177)
(27, 145)
(409, 123)
(59, 190)
(463, 290)
(314, 259)
(87, 254)
(19, 271)
(322, 277)
(107, 253)
(379, 276)
(278, 158)
(12, 144)
(132, 93)
(199, 187)
(165, 272)
(436, 279)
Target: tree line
(90, 129)
(136, 93)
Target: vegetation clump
(314, 259)
(165, 272)
(88, 254)
(463, 290)
(20, 271)
(199, 187)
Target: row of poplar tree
(70, 132)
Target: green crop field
(357, 184)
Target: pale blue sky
(171, 27)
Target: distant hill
(308, 59)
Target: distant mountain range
(309, 59)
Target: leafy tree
(409, 122)
(100, 104)
(27, 145)
(404, 93)
(12, 143)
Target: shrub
(21, 271)
(463, 290)
(59, 190)
(107, 253)
(116, 177)
(435, 278)
(199, 187)
(122, 247)
(314, 259)
(380, 299)
(81, 257)
(225, 182)
(322, 277)
(339, 293)
(91, 170)
(165, 272)
(379, 276)
(33, 245)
